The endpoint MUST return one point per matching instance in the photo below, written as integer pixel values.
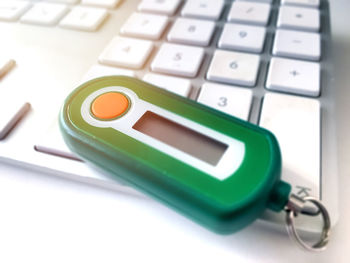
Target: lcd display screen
(182, 138)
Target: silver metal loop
(293, 208)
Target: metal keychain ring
(321, 244)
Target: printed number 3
(222, 102)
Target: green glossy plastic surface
(222, 206)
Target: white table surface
(49, 219)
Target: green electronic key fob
(218, 170)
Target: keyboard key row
(183, 31)
(49, 14)
(241, 11)
(294, 76)
(290, 17)
(97, 3)
(288, 43)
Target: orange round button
(109, 105)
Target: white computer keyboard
(265, 61)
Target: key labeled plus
(294, 76)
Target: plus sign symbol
(294, 73)
(234, 65)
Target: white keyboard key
(45, 14)
(299, 18)
(232, 100)
(261, 1)
(5, 66)
(11, 10)
(126, 52)
(234, 68)
(52, 143)
(249, 12)
(242, 38)
(296, 123)
(145, 26)
(164, 7)
(205, 9)
(97, 71)
(191, 31)
(84, 18)
(176, 85)
(296, 44)
(178, 60)
(11, 111)
(64, 1)
(294, 76)
(306, 3)
(101, 3)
